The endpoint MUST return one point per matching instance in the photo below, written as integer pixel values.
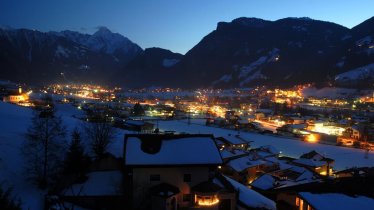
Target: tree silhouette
(44, 146)
(138, 110)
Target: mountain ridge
(241, 53)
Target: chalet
(248, 167)
(315, 162)
(284, 178)
(234, 142)
(173, 171)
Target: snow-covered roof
(225, 153)
(198, 149)
(243, 163)
(232, 139)
(99, 183)
(264, 182)
(309, 162)
(284, 178)
(337, 201)
(250, 197)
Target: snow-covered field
(14, 121)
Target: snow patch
(361, 73)
(225, 78)
(346, 37)
(245, 70)
(61, 52)
(169, 62)
(364, 41)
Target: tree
(138, 110)
(100, 133)
(76, 161)
(6, 200)
(44, 146)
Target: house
(356, 131)
(234, 142)
(16, 97)
(173, 171)
(248, 167)
(287, 176)
(315, 162)
(325, 201)
(244, 169)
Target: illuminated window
(297, 201)
(206, 200)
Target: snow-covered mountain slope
(36, 57)
(361, 74)
(104, 41)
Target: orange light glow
(312, 138)
(206, 200)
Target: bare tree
(44, 146)
(100, 132)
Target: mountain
(152, 67)
(104, 41)
(250, 51)
(241, 53)
(37, 57)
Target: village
(195, 149)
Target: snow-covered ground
(14, 121)
(344, 157)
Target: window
(297, 201)
(187, 178)
(154, 177)
(187, 197)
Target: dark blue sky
(172, 24)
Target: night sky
(172, 24)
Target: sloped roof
(337, 201)
(151, 149)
